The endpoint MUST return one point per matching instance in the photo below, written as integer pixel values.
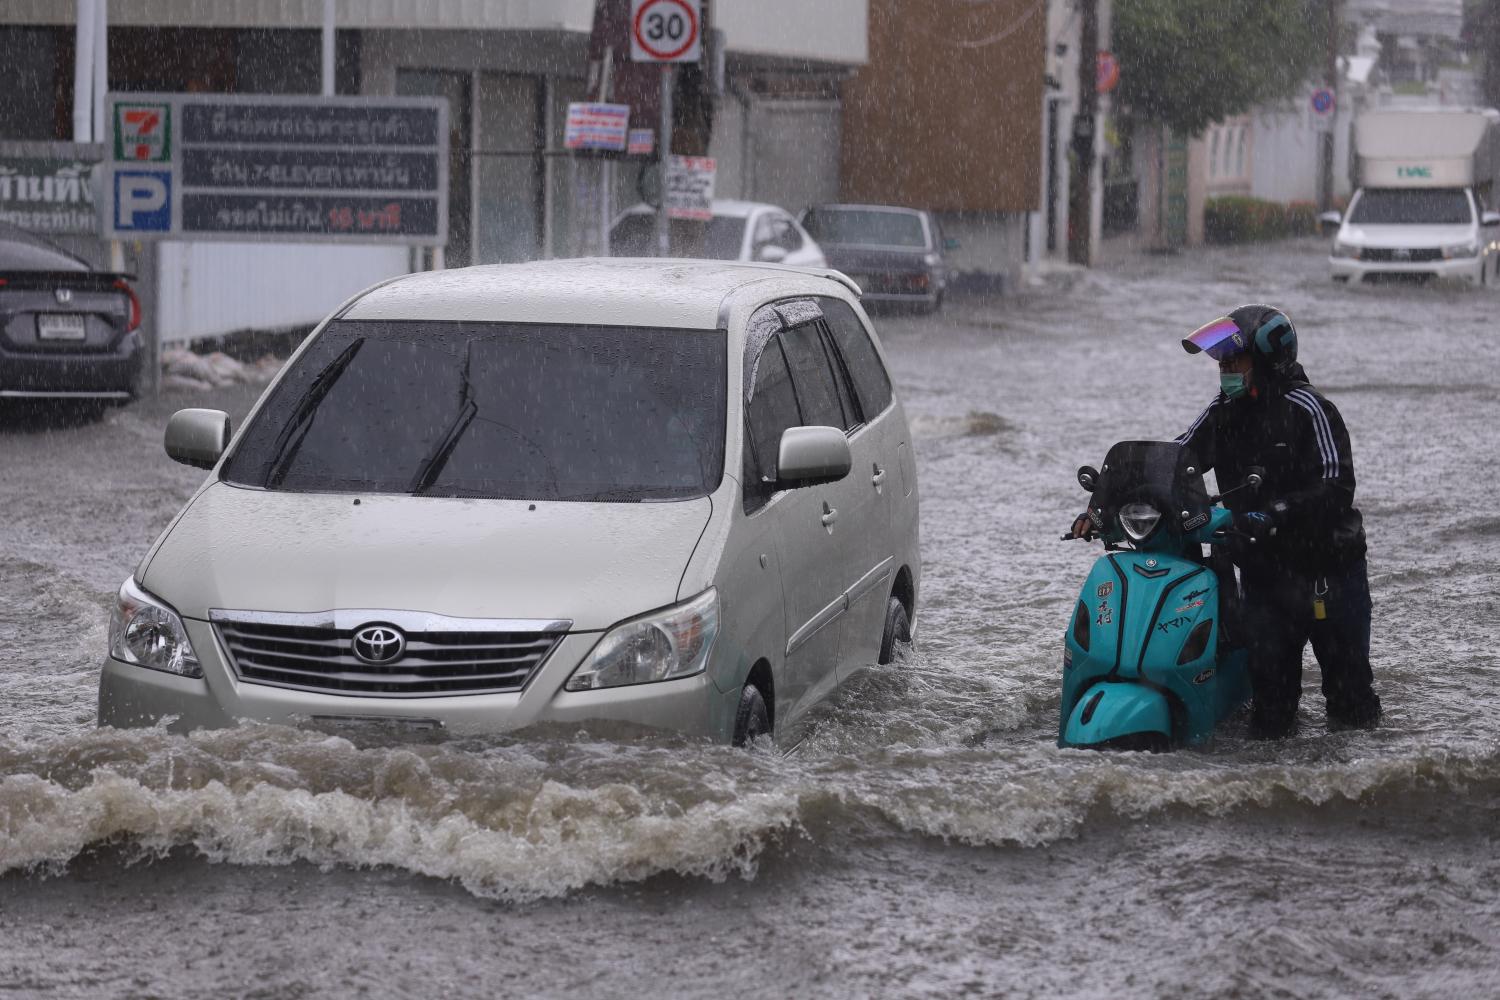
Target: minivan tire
(897, 629)
(752, 718)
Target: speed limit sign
(665, 31)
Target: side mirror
(1255, 477)
(1488, 219)
(771, 254)
(1329, 222)
(949, 243)
(197, 437)
(812, 455)
(1088, 478)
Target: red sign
(665, 31)
(1108, 72)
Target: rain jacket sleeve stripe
(1199, 437)
(1327, 449)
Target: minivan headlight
(1460, 251)
(146, 632)
(662, 646)
(1347, 250)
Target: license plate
(379, 727)
(60, 326)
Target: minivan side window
(812, 376)
(871, 383)
(773, 408)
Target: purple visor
(1219, 339)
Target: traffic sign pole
(664, 153)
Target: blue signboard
(142, 201)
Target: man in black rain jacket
(1300, 543)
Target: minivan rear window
(520, 411)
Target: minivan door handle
(830, 514)
(879, 477)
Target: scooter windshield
(1163, 474)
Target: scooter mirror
(1088, 478)
(1256, 477)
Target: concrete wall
(210, 289)
(794, 155)
(991, 251)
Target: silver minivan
(679, 494)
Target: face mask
(1234, 385)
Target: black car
(894, 254)
(67, 331)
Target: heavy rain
(413, 586)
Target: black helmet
(1263, 331)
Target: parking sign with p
(142, 201)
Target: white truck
(1422, 179)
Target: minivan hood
(591, 563)
(1406, 236)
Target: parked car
(739, 230)
(673, 494)
(895, 255)
(67, 331)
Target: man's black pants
(1278, 620)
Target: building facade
(508, 69)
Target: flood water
(928, 838)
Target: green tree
(1190, 63)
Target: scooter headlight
(1139, 520)
(146, 632)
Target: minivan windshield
(520, 411)
(864, 226)
(1412, 207)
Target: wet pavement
(928, 838)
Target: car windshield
(635, 236)
(521, 411)
(864, 226)
(1408, 207)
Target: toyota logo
(64, 295)
(378, 644)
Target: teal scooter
(1149, 662)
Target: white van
(1420, 210)
(672, 493)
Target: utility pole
(1490, 30)
(1331, 81)
(1085, 127)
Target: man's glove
(1083, 527)
(1255, 525)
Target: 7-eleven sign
(143, 132)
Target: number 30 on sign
(666, 31)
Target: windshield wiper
(289, 441)
(432, 465)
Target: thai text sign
(45, 187)
(597, 126)
(314, 169)
(690, 187)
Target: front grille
(1385, 255)
(442, 656)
